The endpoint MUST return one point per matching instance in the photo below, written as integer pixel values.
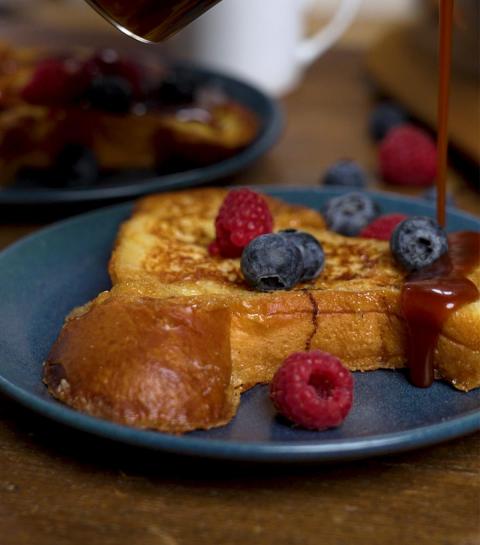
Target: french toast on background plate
(180, 335)
(137, 124)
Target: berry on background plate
(176, 89)
(110, 94)
(345, 173)
(54, 82)
(408, 156)
(313, 390)
(108, 62)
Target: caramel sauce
(445, 54)
(431, 295)
(152, 20)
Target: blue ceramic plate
(45, 275)
(129, 185)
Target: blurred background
(328, 61)
(372, 17)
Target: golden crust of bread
(352, 310)
(458, 350)
(166, 243)
(165, 247)
(146, 362)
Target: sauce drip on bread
(431, 295)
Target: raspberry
(243, 216)
(54, 82)
(408, 156)
(383, 227)
(313, 390)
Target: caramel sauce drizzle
(445, 56)
(431, 295)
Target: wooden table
(58, 487)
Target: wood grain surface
(59, 487)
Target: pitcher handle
(311, 48)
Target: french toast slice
(149, 363)
(352, 310)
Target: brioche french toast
(165, 281)
(146, 133)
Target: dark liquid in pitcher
(153, 20)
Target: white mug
(260, 41)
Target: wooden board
(408, 73)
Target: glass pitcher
(151, 20)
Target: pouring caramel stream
(431, 295)
(445, 63)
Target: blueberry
(431, 195)
(417, 242)
(385, 116)
(75, 166)
(108, 62)
(345, 173)
(348, 214)
(176, 89)
(312, 253)
(110, 94)
(272, 262)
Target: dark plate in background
(44, 276)
(133, 184)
